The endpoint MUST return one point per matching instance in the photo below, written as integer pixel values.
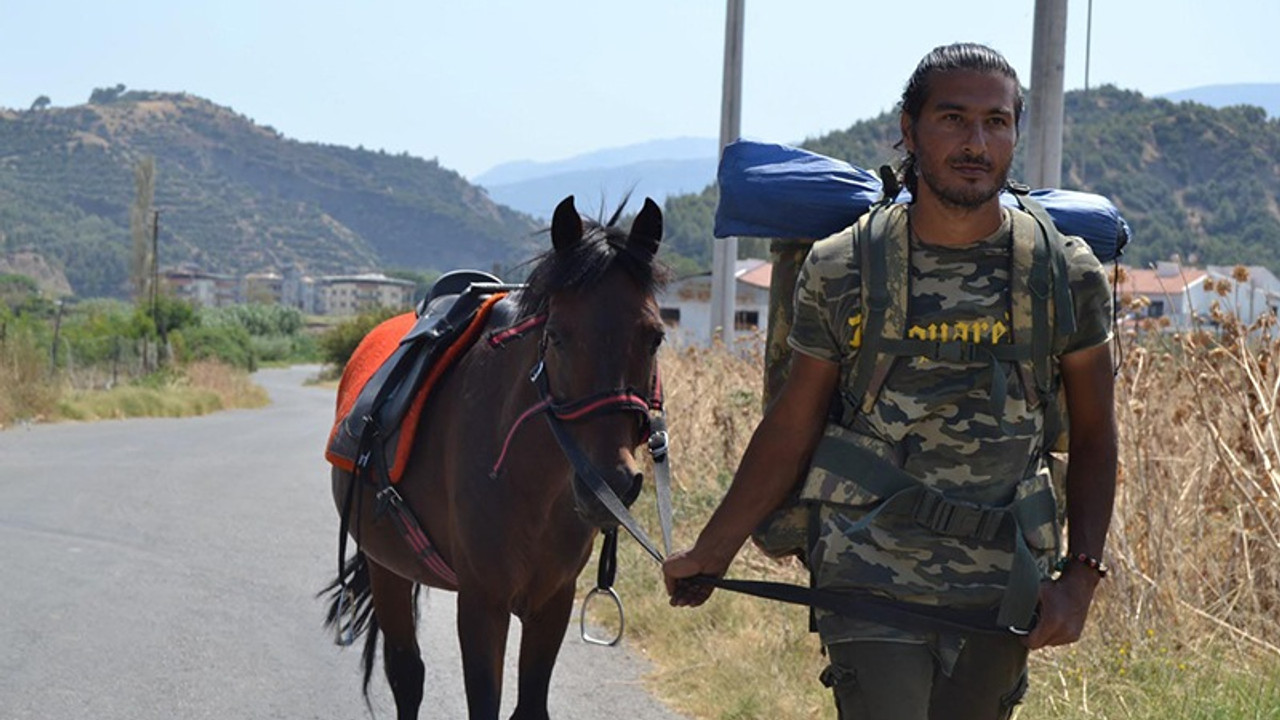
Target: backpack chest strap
(1037, 285)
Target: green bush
(257, 318)
(230, 344)
(271, 348)
(100, 331)
(338, 343)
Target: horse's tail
(350, 611)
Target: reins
(656, 439)
(865, 606)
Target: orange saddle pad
(370, 355)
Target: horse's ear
(566, 225)
(646, 231)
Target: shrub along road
(167, 568)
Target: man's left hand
(1064, 606)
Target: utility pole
(155, 262)
(724, 252)
(1088, 45)
(53, 347)
(1048, 60)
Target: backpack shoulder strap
(1041, 291)
(1031, 300)
(884, 247)
(1064, 309)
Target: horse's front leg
(540, 642)
(482, 633)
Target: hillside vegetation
(1193, 181)
(233, 196)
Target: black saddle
(445, 312)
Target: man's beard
(963, 196)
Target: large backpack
(1041, 305)
(794, 196)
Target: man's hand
(776, 459)
(676, 571)
(1064, 606)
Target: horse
(501, 503)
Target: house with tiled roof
(686, 304)
(1179, 295)
(1254, 291)
(1165, 290)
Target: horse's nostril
(637, 482)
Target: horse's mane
(582, 266)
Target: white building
(202, 288)
(1254, 292)
(686, 305)
(353, 294)
(1185, 295)
(265, 288)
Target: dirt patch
(51, 280)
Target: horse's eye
(657, 342)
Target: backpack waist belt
(905, 496)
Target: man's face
(964, 139)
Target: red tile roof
(758, 276)
(1149, 282)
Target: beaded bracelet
(1084, 559)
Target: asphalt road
(167, 569)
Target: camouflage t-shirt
(935, 418)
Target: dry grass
(25, 394)
(28, 393)
(1187, 626)
(736, 657)
(232, 387)
(197, 389)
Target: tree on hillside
(104, 96)
(16, 290)
(140, 219)
(41, 103)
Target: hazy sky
(476, 83)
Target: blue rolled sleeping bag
(777, 191)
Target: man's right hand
(677, 571)
(776, 458)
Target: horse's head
(599, 344)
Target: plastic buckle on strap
(658, 445)
(955, 518)
(957, 352)
(1031, 625)
(387, 497)
(950, 352)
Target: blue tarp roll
(778, 191)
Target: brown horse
(488, 480)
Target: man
(970, 431)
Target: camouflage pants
(887, 680)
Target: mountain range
(656, 169)
(232, 196)
(1194, 182)
(1263, 95)
(1192, 179)
(678, 166)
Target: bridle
(625, 399)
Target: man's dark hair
(945, 58)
